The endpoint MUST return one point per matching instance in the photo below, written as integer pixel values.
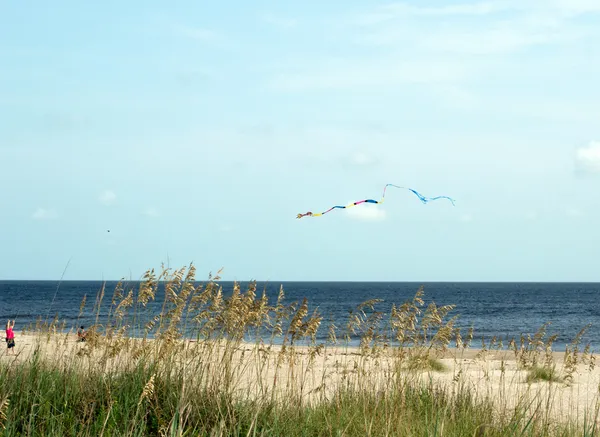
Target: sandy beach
(316, 374)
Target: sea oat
(148, 390)
(4, 405)
(148, 287)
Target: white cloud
(412, 48)
(483, 8)
(588, 158)
(382, 73)
(467, 218)
(151, 212)
(206, 36)
(538, 8)
(45, 214)
(394, 10)
(187, 76)
(197, 33)
(332, 146)
(278, 21)
(503, 26)
(107, 197)
(502, 39)
(416, 154)
(574, 212)
(454, 96)
(576, 7)
(366, 212)
(225, 228)
(531, 215)
(551, 108)
(361, 159)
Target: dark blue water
(504, 310)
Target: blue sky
(196, 132)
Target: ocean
(503, 310)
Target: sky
(196, 131)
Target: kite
(422, 198)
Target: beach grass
(539, 373)
(191, 370)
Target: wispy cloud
(107, 197)
(188, 76)
(531, 215)
(45, 214)
(391, 11)
(277, 20)
(457, 65)
(360, 159)
(502, 26)
(501, 39)
(562, 9)
(151, 212)
(384, 73)
(574, 212)
(571, 8)
(587, 158)
(197, 33)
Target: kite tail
(429, 199)
(422, 198)
(338, 207)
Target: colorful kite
(420, 196)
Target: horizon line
(326, 281)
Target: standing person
(81, 334)
(10, 337)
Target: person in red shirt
(81, 334)
(10, 337)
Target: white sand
(494, 374)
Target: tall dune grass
(191, 370)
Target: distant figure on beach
(10, 337)
(81, 334)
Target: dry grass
(191, 369)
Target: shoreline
(505, 351)
(451, 352)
